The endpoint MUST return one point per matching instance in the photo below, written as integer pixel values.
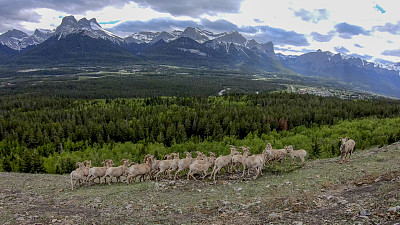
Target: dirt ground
(365, 190)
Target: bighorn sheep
(174, 164)
(98, 172)
(237, 160)
(275, 155)
(155, 166)
(77, 175)
(223, 161)
(199, 167)
(116, 171)
(184, 164)
(88, 165)
(255, 162)
(346, 148)
(164, 164)
(139, 169)
(301, 154)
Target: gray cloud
(261, 33)
(218, 25)
(156, 24)
(390, 28)
(395, 52)
(358, 46)
(13, 13)
(258, 21)
(193, 8)
(341, 50)
(280, 36)
(365, 57)
(321, 37)
(315, 16)
(347, 31)
(383, 60)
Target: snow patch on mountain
(193, 51)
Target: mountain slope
(12, 38)
(6, 52)
(353, 71)
(76, 48)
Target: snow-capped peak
(12, 38)
(89, 27)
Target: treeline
(318, 141)
(34, 129)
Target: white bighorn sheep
(117, 172)
(139, 169)
(223, 161)
(184, 164)
(301, 154)
(237, 160)
(199, 167)
(77, 175)
(98, 172)
(174, 164)
(346, 148)
(255, 162)
(155, 166)
(88, 165)
(164, 164)
(274, 154)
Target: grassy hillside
(321, 192)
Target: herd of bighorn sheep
(201, 165)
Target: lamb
(184, 163)
(347, 148)
(139, 169)
(223, 161)
(98, 172)
(301, 154)
(164, 164)
(77, 175)
(116, 171)
(199, 167)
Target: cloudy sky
(362, 28)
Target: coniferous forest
(49, 134)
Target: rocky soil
(365, 190)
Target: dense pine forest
(49, 134)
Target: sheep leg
(216, 171)
(257, 172)
(205, 174)
(72, 185)
(244, 169)
(176, 173)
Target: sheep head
(289, 148)
(80, 164)
(188, 155)
(268, 147)
(343, 140)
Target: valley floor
(365, 190)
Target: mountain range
(86, 42)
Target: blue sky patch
(379, 8)
(110, 22)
